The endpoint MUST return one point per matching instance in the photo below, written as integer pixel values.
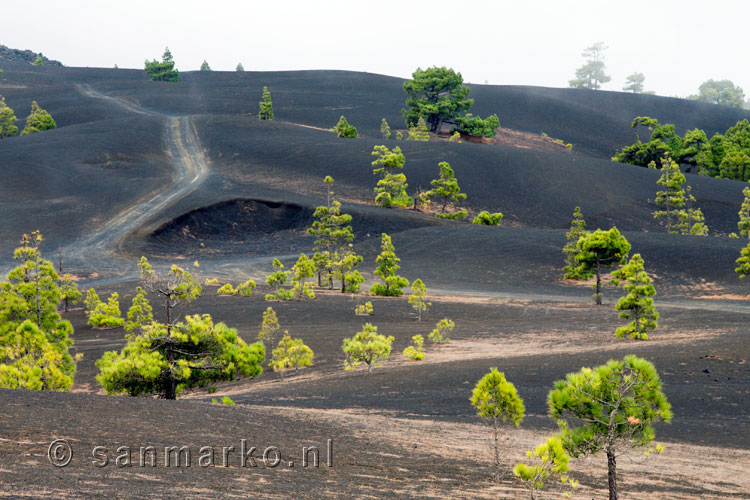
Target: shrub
(440, 334)
(488, 219)
(343, 129)
(365, 309)
(368, 347)
(415, 352)
(291, 353)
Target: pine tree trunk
(637, 322)
(598, 283)
(170, 389)
(497, 450)
(612, 473)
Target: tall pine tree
(577, 230)
(637, 305)
(266, 106)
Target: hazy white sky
(676, 44)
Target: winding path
(190, 169)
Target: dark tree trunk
(170, 385)
(598, 283)
(612, 473)
(320, 283)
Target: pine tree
(554, 463)
(676, 199)
(446, 191)
(291, 353)
(240, 67)
(7, 120)
(439, 334)
(38, 120)
(344, 261)
(485, 218)
(303, 269)
(163, 71)
(672, 198)
(205, 66)
(418, 299)
(634, 83)
(268, 327)
(276, 280)
(577, 230)
(343, 129)
(367, 347)
(598, 252)
(419, 132)
(638, 304)
(497, 400)
(388, 264)
(266, 106)
(391, 188)
(744, 213)
(333, 234)
(609, 408)
(34, 339)
(140, 313)
(415, 352)
(103, 314)
(591, 75)
(167, 359)
(385, 129)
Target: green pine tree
(638, 304)
(205, 66)
(497, 400)
(391, 283)
(34, 339)
(266, 106)
(38, 120)
(343, 129)
(609, 408)
(446, 191)
(598, 252)
(385, 129)
(744, 213)
(7, 120)
(391, 187)
(333, 234)
(577, 230)
(163, 71)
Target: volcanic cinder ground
(185, 171)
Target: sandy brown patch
(680, 472)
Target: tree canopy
(190, 353)
(266, 106)
(34, 339)
(205, 66)
(726, 156)
(38, 120)
(634, 83)
(592, 74)
(163, 71)
(391, 283)
(608, 408)
(7, 120)
(597, 252)
(721, 92)
(437, 94)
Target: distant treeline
(726, 156)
